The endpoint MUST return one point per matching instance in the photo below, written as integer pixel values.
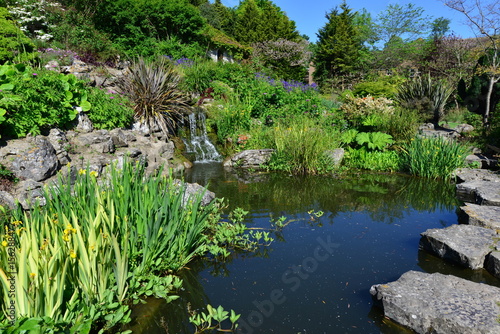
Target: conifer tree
(339, 45)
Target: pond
(315, 277)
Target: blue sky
(309, 15)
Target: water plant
(85, 261)
(433, 157)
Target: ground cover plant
(85, 261)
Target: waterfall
(198, 142)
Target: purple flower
(35, 74)
(111, 97)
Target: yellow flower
(72, 254)
(94, 173)
(82, 172)
(32, 275)
(17, 222)
(65, 238)
(68, 165)
(4, 243)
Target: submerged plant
(153, 88)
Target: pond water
(315, 277)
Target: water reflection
(374, 221)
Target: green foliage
(109, 110)
(388, 161)
(339, 45)
(153, 89)
(231, 120)
(402, 124)
(365, 111)
(14, 45)
(85, 261)
(374, 140)
(399, 21)
(259, 21)
(301, 144)
(433, 157)
(37, 100)
(426, 95)
(198, 75)
(137, 27)
(383, 87)
(203, 321)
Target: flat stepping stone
(480, 192)
(466, 245)
(480, 215)
(437, 303)
(469, 174)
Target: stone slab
(480, 215)
(480, 192)
(493, 263)
(437, 303)
(470, 174)
(466, 245)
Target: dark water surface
(316, 275)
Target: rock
(480, 192)
(7, 200)
(83, 123)
(481, 160)
(194, 189)
(493, 263)
(30, 193)
(249, 159)
(336, 156)
(466, 245)
(119, 138)
(436, 303)
(480, 215)
(467, 175)
(59, 141)
(464, 128)
(38, 162)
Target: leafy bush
(366, 111)
(153, 89)
(14, 45)
(38, 100)
(433, 157)
(109, 110)
(231, 119)
(375, 89)
(374, 140)
(402, 124)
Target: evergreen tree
(339, 45)
(261, 20)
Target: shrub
(14, 45)
(426, 95)
(433, 157)
(153, 89)
(366, 111)
(109, 109)
(38, 100)
(402, 124)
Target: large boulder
(249, 159)
(480, 192)
(35, 160)
(466, 245)
(436, 303)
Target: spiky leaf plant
(426, 95)
(153, 88)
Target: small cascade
(198, 142)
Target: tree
(406, 22)
(439, 28)
(339, 45)
(484, 18)
(261, 20)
